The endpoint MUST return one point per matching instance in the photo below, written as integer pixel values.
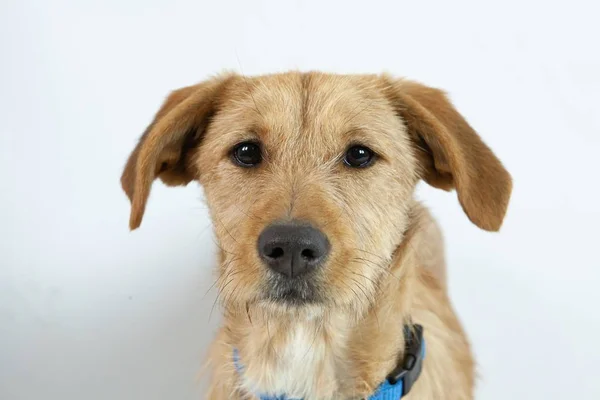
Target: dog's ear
(451, 153)
(167, 147)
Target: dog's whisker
(203, 230)
(365, 260)
(214, 284)
(333, 222)
(375, 284)
(370, 253)
(252, 96)
(360, 287)
(233, 295)
(226, 229)
(247, 85)
(219, 293)
(374, 264)
(213, 306)
(251, 215)
(358, 113)
(349, 119)
(222, 248)
(368, 297)
(356, 295)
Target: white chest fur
(302, 364)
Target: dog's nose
(292, 249)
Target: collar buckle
(409, 368)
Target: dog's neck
(313, 352)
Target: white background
(91, 311)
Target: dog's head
(309, 177)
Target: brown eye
(359, 157)
(247, 154)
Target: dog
(328, 266)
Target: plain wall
(91, 311)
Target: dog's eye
(247, 154)
(359, 157)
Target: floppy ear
(451, 153)
(166, 148)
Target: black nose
(292, 249)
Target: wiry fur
(386, 266)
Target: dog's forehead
(298, 106)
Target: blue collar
(397, 384)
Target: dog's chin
(296, 292)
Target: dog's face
(309, 177)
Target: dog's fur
(386, 266)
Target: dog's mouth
(296, 291)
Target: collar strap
(409, 368)
(397, 384)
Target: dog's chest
(302, 365)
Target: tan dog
(324, 253)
